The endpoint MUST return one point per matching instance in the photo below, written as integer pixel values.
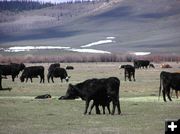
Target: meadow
(142, 112)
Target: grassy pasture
(141, 111)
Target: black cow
(51, 69)
(169, 81)
(31, 72)
(3, 77)
(59, 72)
(97, 90)
(69, 67)
(129, 71)
(12, 69)
(105, 102)
(141, 63)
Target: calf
(45, 96)
(129, 71)
(104, 103)
(69, 67)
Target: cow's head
(67, 78)
(22, 77)
(71, 93)
(122, 66)
(21, 66)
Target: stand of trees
(21, 5)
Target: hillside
(123, 26)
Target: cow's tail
(160, 88)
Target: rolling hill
(134, 25)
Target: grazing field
(142, 112)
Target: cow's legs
(97, 109)
(87, 105)
(108, 107)
(118, 106)
(133, 76)
(129, 76)
(26, 79)
(104, 109)
(168, 94)
(52, 79)
(176, 93)
(164, 94)
(31, 79)
(172, 93)
(0, 82)
(13, 77)
(114, 107)
(48, 77)
(42, 78)
(91, 107)
(125, 75)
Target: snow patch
(142, 53)
(98, 43)
(28, 48)
(110, 38)
(89, 51)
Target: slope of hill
(135, 25)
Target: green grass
(142, 113)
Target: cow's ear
(70, 85)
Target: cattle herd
(102, 91)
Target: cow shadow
(6, 89)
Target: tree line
(21, 5)
(77, 57)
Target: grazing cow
(97, 90)
(129, 71)
(169, 81)
(51, 69)
(165, 66)
(151, 66)
(12, 69)
(45, 96)
(141, 63)
(61, 73)
(69, 67)
(32, 72)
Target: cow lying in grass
(45, 96)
